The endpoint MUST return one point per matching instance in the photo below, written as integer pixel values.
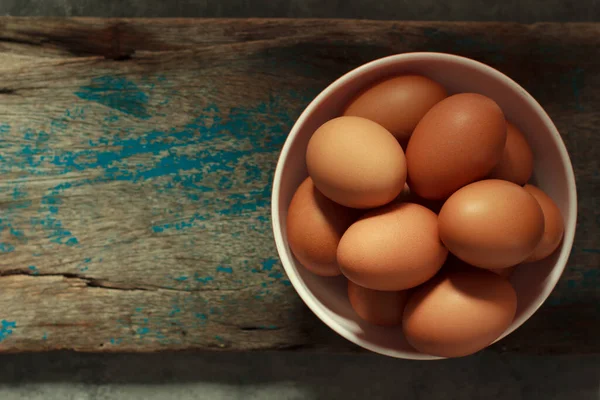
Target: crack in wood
(79, 42)
(110, 285)
(260, 328)
(21, 41)
(89, 281)
(7, 91)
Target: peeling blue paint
(117, 93)
(180, 225)
(6, 329)
(195, 161)
(143, 331)
(255, 130)
(174, 311)
(6, 247)
(201, 317)
(276, 275)
(33, 269)
(204, 280)
(268, 264)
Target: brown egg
(356, 162)
(491, 224)
(516, 164)
(398, 103)
(315, 226)
(458, 313)
(553, 225)
(395, 247)
(457, 142)
(376, 306)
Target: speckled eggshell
(554, 227)
(395, 247)
(315, 226)
(491, 224)
(378, 307)
(356, 162)
(459, 312)
(516, 164)
(398, 103)
(457, 142)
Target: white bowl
(553, 173)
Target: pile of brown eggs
(421, 200)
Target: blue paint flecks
(202, 318)
(179, 225)
(142, 331)
(72, 241)
(18, 193)
(83, 267)
(276, 275)
(33, 270)
(6, 247)
(202, 279)
(197, 161)
(255, 131)
(116, 341)
(174, 311)
(268, 264)
(118, 93)
(285, 282)
(45, 336)
(227, 270)
(6, 329)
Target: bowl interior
(552, 173)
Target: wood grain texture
(136, 159)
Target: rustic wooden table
(136, 159)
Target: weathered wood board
(136, 159)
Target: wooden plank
(136, 159)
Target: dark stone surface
(292, 375)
